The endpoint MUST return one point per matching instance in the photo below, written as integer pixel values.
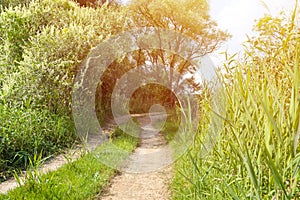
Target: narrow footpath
(147, 173)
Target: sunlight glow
(238, 17)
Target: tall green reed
(256, 155)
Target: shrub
(59, 34)
(42, 45)
(12, 3)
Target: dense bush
(257, 153)
(42, 45)
(52, 37)
(12, 3)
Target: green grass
(82, 179)
(27, 132)
(168, 129)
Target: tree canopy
(187, 17)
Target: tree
(188, 17)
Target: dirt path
(144, 175)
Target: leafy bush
(42, 45)
(12, 3)
(59, 34)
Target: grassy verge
(82, 179)
(169, 129)
(26, 133)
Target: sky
(238, 17)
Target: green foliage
(42, 45)
(257, 153)
(12, 3)
(146, 96)
(52, 38)
(26, 132)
